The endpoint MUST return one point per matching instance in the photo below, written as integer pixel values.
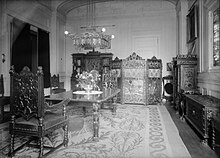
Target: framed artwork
(192, 20)
(169, 66)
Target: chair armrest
(58, 107)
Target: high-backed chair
(55, 85)
(109, 80)
(4, 102)
(30, 115)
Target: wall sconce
(3, 58)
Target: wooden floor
(190, 138)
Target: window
(216, 59)
(213, 33)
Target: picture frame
(192, 22)
(169, 66)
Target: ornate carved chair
(55, 85)
(30, 115)
(110, 80)
(4, 102)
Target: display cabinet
(154, 80)
(78, 65)
(93, 60)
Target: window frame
(211, 10)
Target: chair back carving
(109, 79)
(27, 93)
(35, 118)
(1, 86)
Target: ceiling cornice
(67, 5)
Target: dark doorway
(30, 47)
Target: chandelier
(91, 38)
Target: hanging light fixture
(91, 38)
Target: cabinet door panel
(92, 64)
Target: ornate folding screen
(133, 80)
(154, 80)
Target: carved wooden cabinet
(133, 80)
(117, 66)
(203, 112)
(175, 79)
(154, 80)
(184, 78)
(187, 73)
(89, 61)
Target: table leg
(96, 107)
(84, 111)
(114, 105)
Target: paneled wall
(208, 76)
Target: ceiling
(65, 6)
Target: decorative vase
(88, 88)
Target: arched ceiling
(66, 6)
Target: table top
(206, 100)
(81, 96)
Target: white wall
(145, 27)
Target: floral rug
(135, 131)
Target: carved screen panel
(154, 80)
(133, 80)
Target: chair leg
(41, 141)
(65, 141)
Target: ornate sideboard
(89, 61)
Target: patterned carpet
(134, 132)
